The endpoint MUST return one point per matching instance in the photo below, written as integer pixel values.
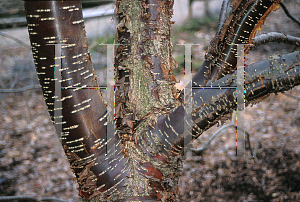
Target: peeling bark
(150, 119)
(145, 87)
(277, 74)
(83, 110)
(244, 20)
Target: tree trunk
(150, 135)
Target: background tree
(150, 134)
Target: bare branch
(289, 14)
(15, 39)
(222, 17)
(220, 132)
(261, 78)
(20, 89)
(27, 198)
(291, 96)
(220, 58)
(275, 37)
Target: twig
(222, 17)
(275, 37)
(289, 14)
(297, 98)
(218, 133)
(31, 198)
(15, 39)
(19, 89)
(255, 150)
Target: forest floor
(274, 128)
(32, 163)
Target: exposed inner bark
(150, 128)
(145, 86)
(143, 60)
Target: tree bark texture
(149, 112)
(241, 25)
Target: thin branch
(275, 37)
(20, 89)
(31, 198)
(291, 96)
(289, 14)
(215, 135)
(218, 133)
(15, 39)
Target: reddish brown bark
(150, 119)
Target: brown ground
(274, 126)
(31, 162)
